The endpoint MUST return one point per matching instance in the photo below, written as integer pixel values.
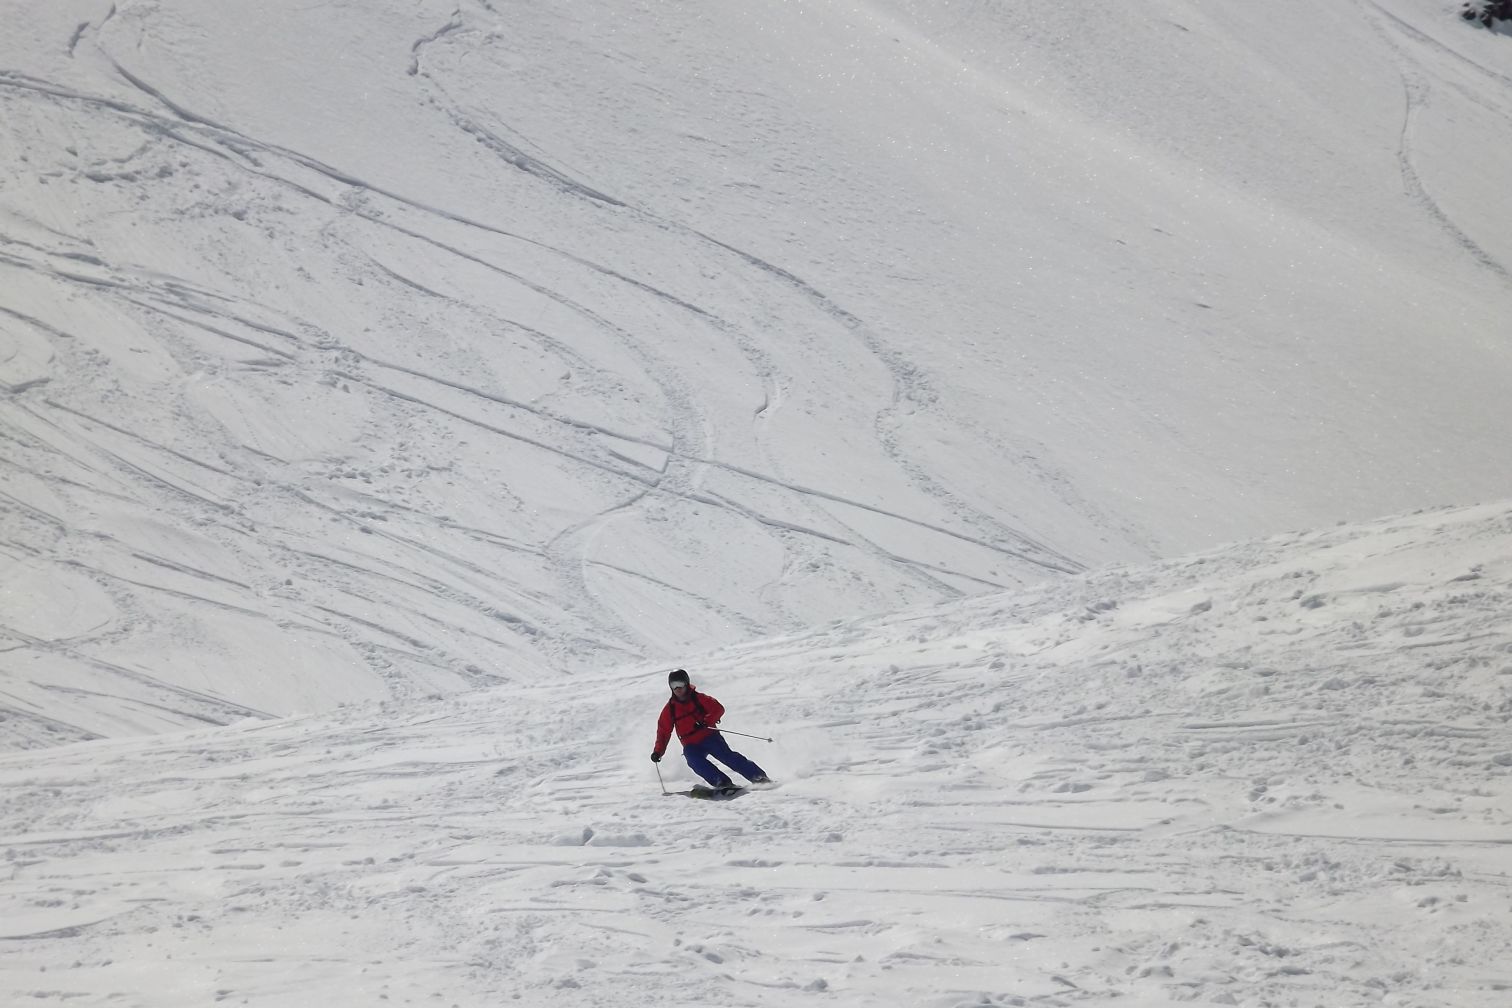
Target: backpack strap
(672, 714)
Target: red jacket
(694, 719)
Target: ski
(705, 793)
(711, 794)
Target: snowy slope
(355, 351)
(1279, 774)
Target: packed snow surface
(1279, 774)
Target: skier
(694, 715)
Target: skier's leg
(697, 756)
(720, 750)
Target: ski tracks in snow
(1418, 82)
(246, 404)
(1201, 782)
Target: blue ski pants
(715, 747)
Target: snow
(1279, 773)
(486, 341)
(391, 393)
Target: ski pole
(759, 738)
(659, 779)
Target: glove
(656, 757)
(699, 725)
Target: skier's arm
(713, 710)
(663, 731)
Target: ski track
(198, 120)
(242, 481)
(908, 384)
(1417, 91)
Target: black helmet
(678, 677)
